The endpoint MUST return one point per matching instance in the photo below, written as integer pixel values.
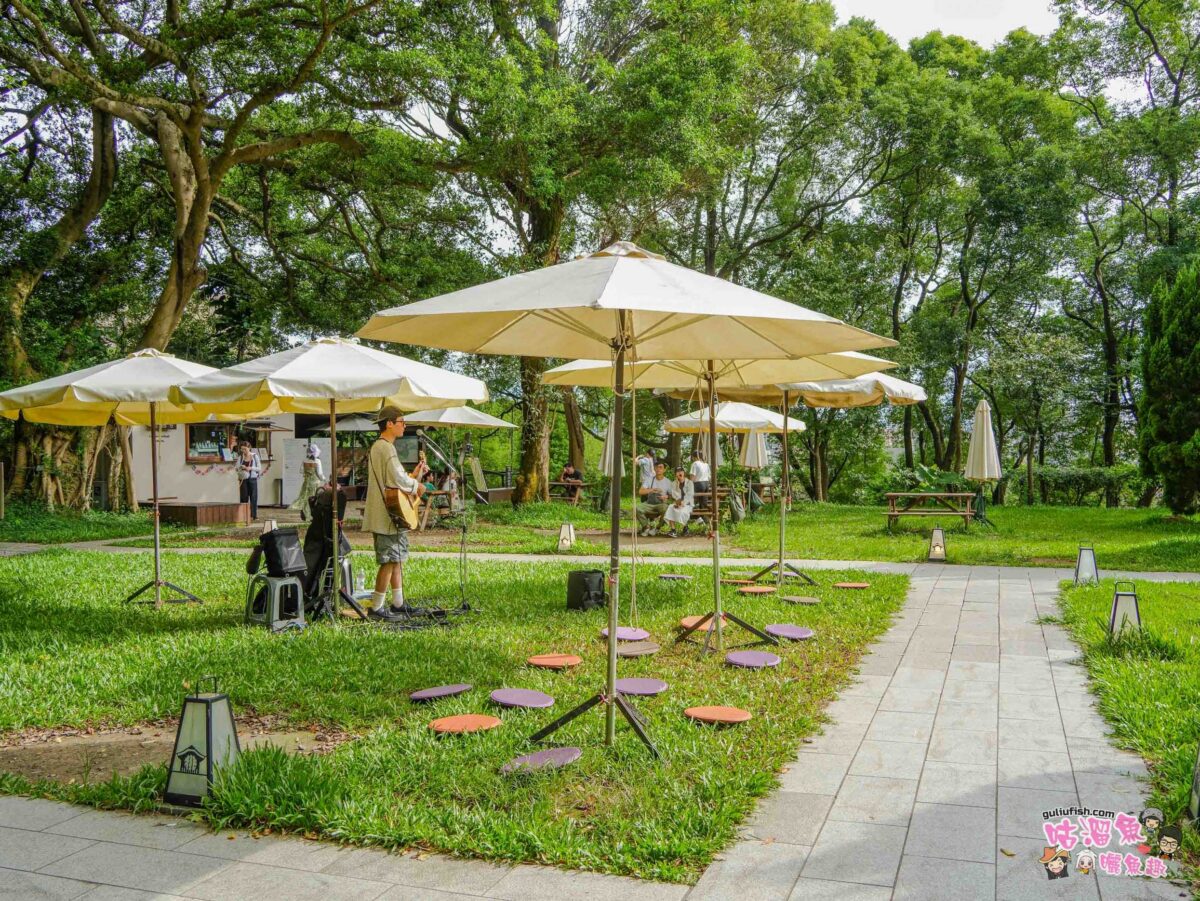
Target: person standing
(645, 462)
(314, 475)
(391, 538)
(700, 474)
(249, 468)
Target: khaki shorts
(391, 547)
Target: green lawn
(75, 656)
(1024, 536)
(36, 524)
(1148, 689)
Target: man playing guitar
(391, 495)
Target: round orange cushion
(688, 621)
(464, 722)
(851, 584)
(718, 714)
(554, 661)
(756, 589)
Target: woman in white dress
(313, 477)
(679, 511)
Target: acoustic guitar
(403, 507)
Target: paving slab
(952, 832)
(271, 850)
(548, 884)
(34, 813)
(857, 852)
(19, 885)
(819, 774)
(931, 879)
(34, 850)
(897, 759)
(426, 871)
(148, 831)
(807, 889)
(794, 818)
(132, 866)
(875, 799)
(1019, 810)
(751, 871)
(242, 881)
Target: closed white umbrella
(731, 417)
(630, 303)
(134, 390)
(983, 460)
(611, 446)
(754, 450)
(323, 376)
(710, 446)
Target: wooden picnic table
(565, 491)
(929, 503)
(428, 506)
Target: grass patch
(37, 525)
(76, 656)
(1131, 539)
(1148, 685)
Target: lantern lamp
(566, 536)
(205, 742)
(1085, 567)
(1125, 613)
(937, 546)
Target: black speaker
(284, 554)
(585, 589)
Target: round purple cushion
(521, 697)
(440, 691)
(790, 632)
(627, 633)
(641, 687)
(751, 659)
(552, 758)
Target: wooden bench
(561, 491)
(210, 513)
(702, 509)
(929, 503)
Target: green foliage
(34, 523)
(1170, 417)
(1075, 485)
(87, 659)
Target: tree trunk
(45, 249)
(574, 427)
(909, 460)
(131, 501)
(184, 276)
(1042, 487)
(1029, 471)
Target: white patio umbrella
(133, 390)
(458, 418)
(621, 300)
(733, 417)
(323, 376)
(983, 460)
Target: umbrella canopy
(304, 379)
(733, 416)
(570, 310)
(458, 418)
(730, 374)
(354, 424)
(121, 390)
(863, 391)
(983, 460)
(754, 450)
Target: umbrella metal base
(763, 637)
(636, 721)
(186, 597)
(788, 572)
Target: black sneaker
(384, 615)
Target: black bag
(283, 553)
(585, 589)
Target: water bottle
(360, 582)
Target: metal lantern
(566, 536)
(1125, 613)
(937, 546)
(1085, 567)
(1194, 801)
(205, 742)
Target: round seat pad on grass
(674, 577)
(464, 722)
(720, 715)
(554, 661)
(688, 621)
(550, 759)
(641, 687)
(737, 581)
(627, 633)
(440, 691)
(752, 659)
(799, 599)
(789, 631)
(757, 589)
(636, 648)
(855, 585)
(521, 697)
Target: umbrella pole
(782, 569)
(609, 697)
(334, 584)
(158, 582)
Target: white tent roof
(983, 460)
(122, 389)
(457, 417)
(729, 373)
(304, 379)
(733, 416)
(571, 310)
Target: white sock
(397, 598)
(377, 600)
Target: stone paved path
(968, 718)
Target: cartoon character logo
(1055, 861)
(1085, 861)
(1169, 840)
(1151, 819)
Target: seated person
(682, 500)
(449, 484)
(656, 496)
(573, 479)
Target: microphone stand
(463, 522)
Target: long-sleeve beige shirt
(385, 471)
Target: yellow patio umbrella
(629, 303)
(328, 375)
(134, 390)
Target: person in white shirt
(645, 462)
(701, 475)
(656, 496)
(682, 501)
